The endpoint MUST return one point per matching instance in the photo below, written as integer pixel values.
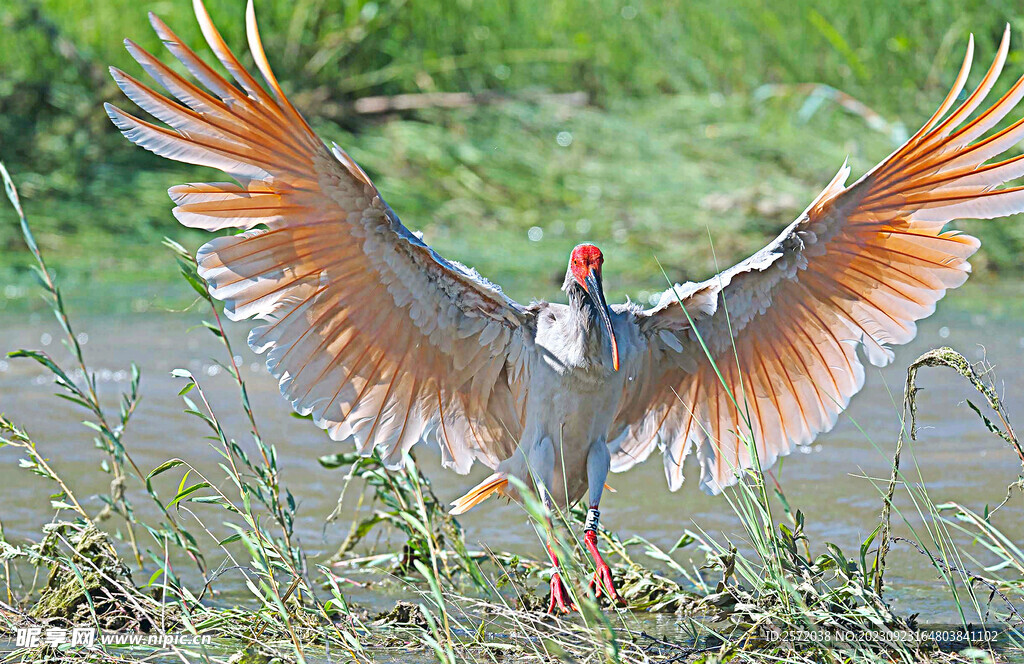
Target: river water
(958, 459)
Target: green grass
(650, 178)
(612, 48)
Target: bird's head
(585, 273)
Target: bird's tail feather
(496, 483)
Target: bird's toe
(560, 598)
(603, 583)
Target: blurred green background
(703, 122)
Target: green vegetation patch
(694, 182)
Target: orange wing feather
(856, 270)
(369, 330)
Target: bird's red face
(585, 264)
(585, 260)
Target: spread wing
(370, 331)
(855, 271)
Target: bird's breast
(574, 390)
(578, 349)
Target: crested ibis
(386, 343)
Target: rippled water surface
(959, 460)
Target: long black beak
(596, 292)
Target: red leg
(602, 574)
(560, 599)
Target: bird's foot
(560, 599)
(602, 580)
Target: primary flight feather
(386, 343)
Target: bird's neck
(583, 317)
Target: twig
(413, 102)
